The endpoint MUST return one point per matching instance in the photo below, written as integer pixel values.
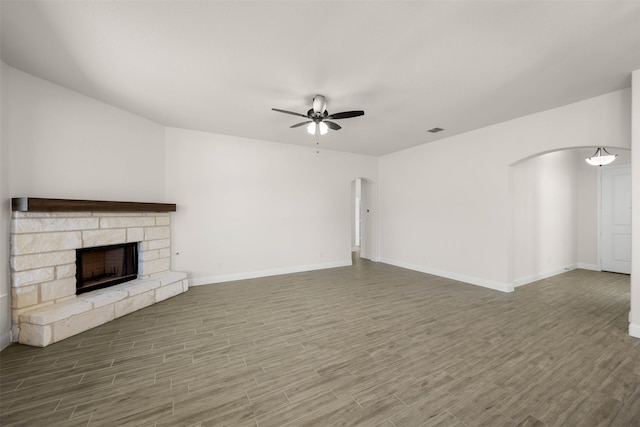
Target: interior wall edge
(634, 330)
(521, 281)
(496, 286)
(592, 267)
(210, 280)
(5, 339)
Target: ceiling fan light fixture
(323, 128)
(318, 119)
(599, 159)
(311, 128)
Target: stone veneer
(45, 308)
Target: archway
(555, 213)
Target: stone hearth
(45, 307)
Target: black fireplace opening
(104, 266)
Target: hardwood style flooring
(368, 345)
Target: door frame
(369, 232)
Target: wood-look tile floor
(369, 345)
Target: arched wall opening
(555, 213)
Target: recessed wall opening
(556, 207)
(104, 266)
(363, 218)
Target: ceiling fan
(319, 117)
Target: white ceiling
(220, 66)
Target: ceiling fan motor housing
(319, 104)
(315, 116)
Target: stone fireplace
(46, 234)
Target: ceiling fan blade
(346, 115)
(288, 112)
(332, 125)
(301, 124)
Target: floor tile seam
(4, 392)
(8, 355)
(204, 389)
(323, 389)
(114, 374)
(133, 365)
(282, 388)
(89, 420)
(288, 423)
(162, 370)
(88, 366)
(12, 410)
(21, 387)
(397, 413)
(38, 375)
(462, 402)
(346, 368)
(626, 402)
(97, 406)
(377, 397)
(459, 419)
(70, 395)
(398, 397)
(419, 401)
(352, 398)
(73, 413)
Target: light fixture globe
(599, 159)
(323, 128)
(317, 126)
(311, 129)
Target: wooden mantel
(33, 204)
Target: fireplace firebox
(104, 266)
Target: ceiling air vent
(435, 130)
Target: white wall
(545, 213)
(63, 144)
(446, 207)
(634, 326)
(554, 204)
(5, 285)
(249, 208)
(587, 206)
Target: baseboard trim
(496, 286)
(544, 275)
(592, 267)
(634, 330)
(5, 339)
(365, 255)
(199, 281)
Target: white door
(615, 217)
